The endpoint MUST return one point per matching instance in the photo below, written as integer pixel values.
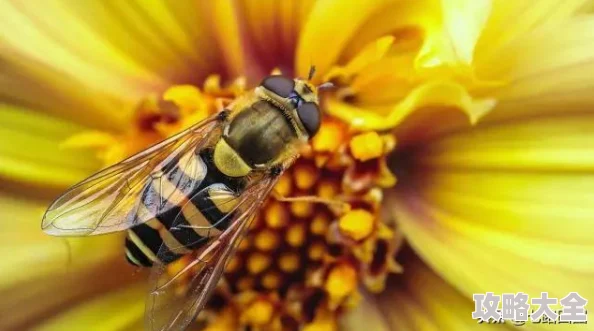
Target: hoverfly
(194, 193)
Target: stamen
(271, 280)
(317, 251)
(244, 245)
(245, 283)
(289, 262)
(328, 189)
(305, 175)
(367, 146)
(267, 240)
(319, 225)
(329, 137)
(258, 262)
(342, 281)
(258, 313)
(296, 235)
(356, 224)
(302, 209)
(276, 216)
(233, 265)
(284, 186)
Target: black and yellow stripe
(186, 207)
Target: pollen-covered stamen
(258, 312)
(258, 262)
(341, 282)
(356, 224)
(367, 146)
(267, 240)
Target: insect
(194, 193)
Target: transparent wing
(109, 200)
(175, 300)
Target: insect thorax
(259, 135)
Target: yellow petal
(553, 144)
(102, 56)
(31, 153)
(89, 139)
(325, 33)
(271, 29)
(547, 71)
(367, 146)
(408, 22)
(449, 43)
(41, 273)
(356, 224)
(519, 194)
(371, 53)
(386, 81)
(72, 47)
(26, 246)
(34, 86)
(229, 38)
(446, 32)
(464, 22)
(256, 37)
(119, 310)
(504, 24)
(142, 40)
(420, 300)
(442, 94)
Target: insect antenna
(312, 72)
(326, 85)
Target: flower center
(302, 263)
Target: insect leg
(339, 206)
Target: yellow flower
(461, 133)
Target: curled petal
(464, 22)
(371, 53)
(325, 33)
(452, 42)
(408, 22)
(444, 94)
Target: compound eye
(309, 114)
(280, 85)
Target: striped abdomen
(192, 196)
